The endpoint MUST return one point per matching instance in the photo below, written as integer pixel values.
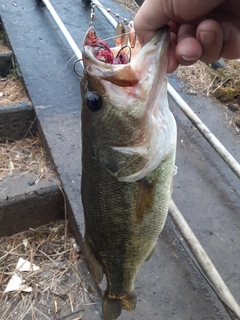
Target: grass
(15, 72)
(223, 84)
(25, 156)
(11, 90)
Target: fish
(128, 160)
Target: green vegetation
(15, 72)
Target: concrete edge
(16, 121)
(23, 206)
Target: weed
(15, 72)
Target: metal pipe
(105, 13)
(203, 259)
(63, 29)
(208, 135)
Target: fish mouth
(119, 67)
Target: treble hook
(130, 53)
(74, 68)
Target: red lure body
(103, 52)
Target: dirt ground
(57, 289)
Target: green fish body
(128, 157)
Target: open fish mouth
(124, 64)
(121, 54)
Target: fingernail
(186, 58)
(226, 32)
(207, 38)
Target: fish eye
(94, 101)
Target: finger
(172, 60)
(154, 14)
(188, 49)
(210, 35)
(174, 26)
(231, 41)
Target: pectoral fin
(145, 198)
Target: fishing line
(66, 64)
(113, 37)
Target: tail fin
(111, 308)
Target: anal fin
(94, 266)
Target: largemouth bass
(128, 156)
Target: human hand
(199, 29)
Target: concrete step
(17, 120)
(23, 202)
